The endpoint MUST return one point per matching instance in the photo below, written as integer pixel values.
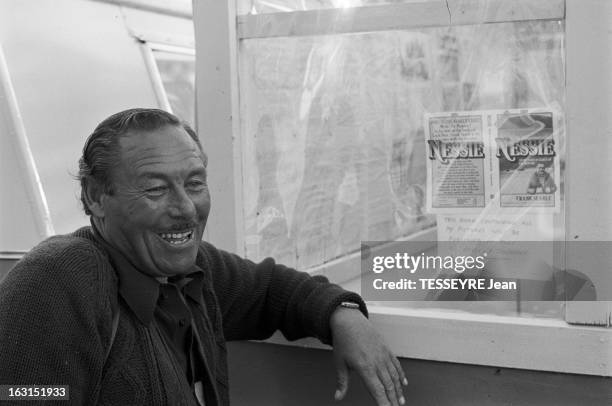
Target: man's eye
(156, 191)
(196, 184)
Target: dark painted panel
(275, 375)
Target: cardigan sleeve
(54, 321)
(258, 299)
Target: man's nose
(182, 206)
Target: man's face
(157, 213)
(540, 168)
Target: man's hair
(101, 151)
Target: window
(172, 70)
(28, 223)
(42, 138)
(331, 113)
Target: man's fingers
(400, 370)
(376, 388)
(389, 385)
(395, 377)
(342, 380)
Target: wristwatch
(349, 305)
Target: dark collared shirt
(169, 305)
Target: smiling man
(157, 203)
(136, 309)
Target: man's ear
(95, 199)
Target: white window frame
(148, 49)
(11, 124)
(515, 342)
(158, 39)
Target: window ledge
(501, 341)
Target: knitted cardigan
(56, 314)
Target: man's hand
(358, 347)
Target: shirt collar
(141, 291)
(191, 284)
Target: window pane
(177, 71)
(334, 127)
